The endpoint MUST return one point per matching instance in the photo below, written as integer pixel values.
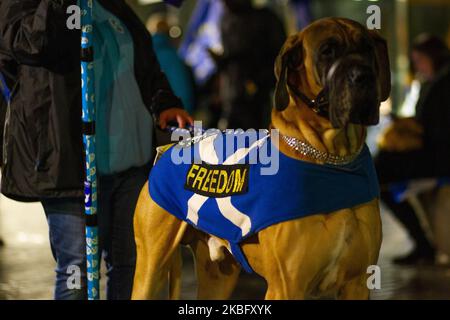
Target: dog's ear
(383, 64)
(290, 56)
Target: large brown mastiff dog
(332, 77)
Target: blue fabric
(118, 195)
(299, 189)
(302, 11)
(443, 181)
(66, 224)
(124, 125)
(4, 88)
(176, 3)
(399, 189)
(175, 70)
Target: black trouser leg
(404, 212)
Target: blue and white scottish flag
(225, 192)
(303, 13)
(203, 33)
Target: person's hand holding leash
(175, 114)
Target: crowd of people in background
(427, 153)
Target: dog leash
(192, 130)
(319, 105)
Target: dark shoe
(416, 257)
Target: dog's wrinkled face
(343, 58)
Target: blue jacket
(234, 200)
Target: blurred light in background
(175, 32)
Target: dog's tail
(175, 275)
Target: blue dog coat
(229, 197)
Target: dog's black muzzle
(352, 92)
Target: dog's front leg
(158, 235)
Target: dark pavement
(26, 264)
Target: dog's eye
(328, 51)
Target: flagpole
(88, 128)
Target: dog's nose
(359, 76)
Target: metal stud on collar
(309, 151)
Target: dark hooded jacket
(42, 151)
(8, 74)
(433, 113)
